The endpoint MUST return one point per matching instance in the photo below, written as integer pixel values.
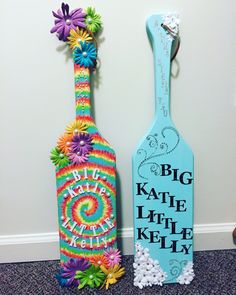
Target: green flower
(58, 158)
(93, 20)
(93, 277)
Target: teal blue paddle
(163, 179)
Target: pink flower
(78, 158)
(113, 256)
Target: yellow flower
(76, 127)
(112, 274)
(77, 36)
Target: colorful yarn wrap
(85, 165)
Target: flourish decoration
(157, 147)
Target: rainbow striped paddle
(85, 161)
(86, 189)
(163, 179)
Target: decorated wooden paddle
(85, 170)
(163, 179)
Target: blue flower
(66, 276)
(86, 55)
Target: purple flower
(66, 277)
(81, 144)
(65, 21)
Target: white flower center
(91, 277)
(112, 257)
(99, 262)
(90, 20)
(61, 156)
(82, 142)
(110, 275)
(79, 40)
(76, 131)
(68, 143)
(68, 22)
(85, 54)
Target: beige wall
(37, 101)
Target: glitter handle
(82, 90)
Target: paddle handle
(82, 91)
(161, 42)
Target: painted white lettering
(109, 222)
(76, 175)
(95, 174)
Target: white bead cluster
(172, 21)
(187, 274)
(147, 272)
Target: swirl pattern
(86, 189)
(158, 146)
(86, 196)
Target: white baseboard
(45, 246)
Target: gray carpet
(215, 274)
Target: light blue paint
(163, 145)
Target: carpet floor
(215, 273)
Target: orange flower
(99, 260)
(64, 143)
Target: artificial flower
(65, 282)
(187, 274)
(64, 143)
(81, 143)
(113, 256)
(171, 21)
(58, 158)
(66, 277)
(98, 260)
(86, 55)
(93, 20)
(112, 274)
(147, 272)
(77, 158)
(93, 277)
(76, 127)
(77, 36)
(65, 21)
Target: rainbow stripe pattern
(86, 192)
(85, 170)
